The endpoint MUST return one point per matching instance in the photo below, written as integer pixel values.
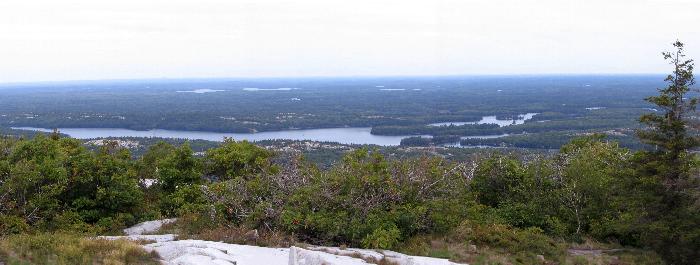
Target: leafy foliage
(370, 201)
(45, 178)
(237, 159)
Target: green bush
(366, 200)
(43, 178)
(69, 221)
(529, 242)
(187, 198)
(237, 159)
(498, 179)
(194, 223)
(444, 214)
(382, 238)
(10, 224)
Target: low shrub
(382, 238)
(475, 242)
(10, 224)
(509, 240)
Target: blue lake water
(348, 135)
(351, 135)
(491, 120)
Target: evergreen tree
(668, 131)
(662, 194)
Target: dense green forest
(323, 102)
(565, 105)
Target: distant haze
(42, 40)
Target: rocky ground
(195, 252)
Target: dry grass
(233, 235)
(591, 251)
(57, 248)
(476, 243)
(242, 235)
(196, 227)
(459, 251)
(616, 257)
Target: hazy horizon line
(166, 79)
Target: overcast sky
(43, 40)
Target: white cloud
(88, 39)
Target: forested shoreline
(328, 103)
(571, 105)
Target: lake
(351, 135)
(490, 120)
(348, 135)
